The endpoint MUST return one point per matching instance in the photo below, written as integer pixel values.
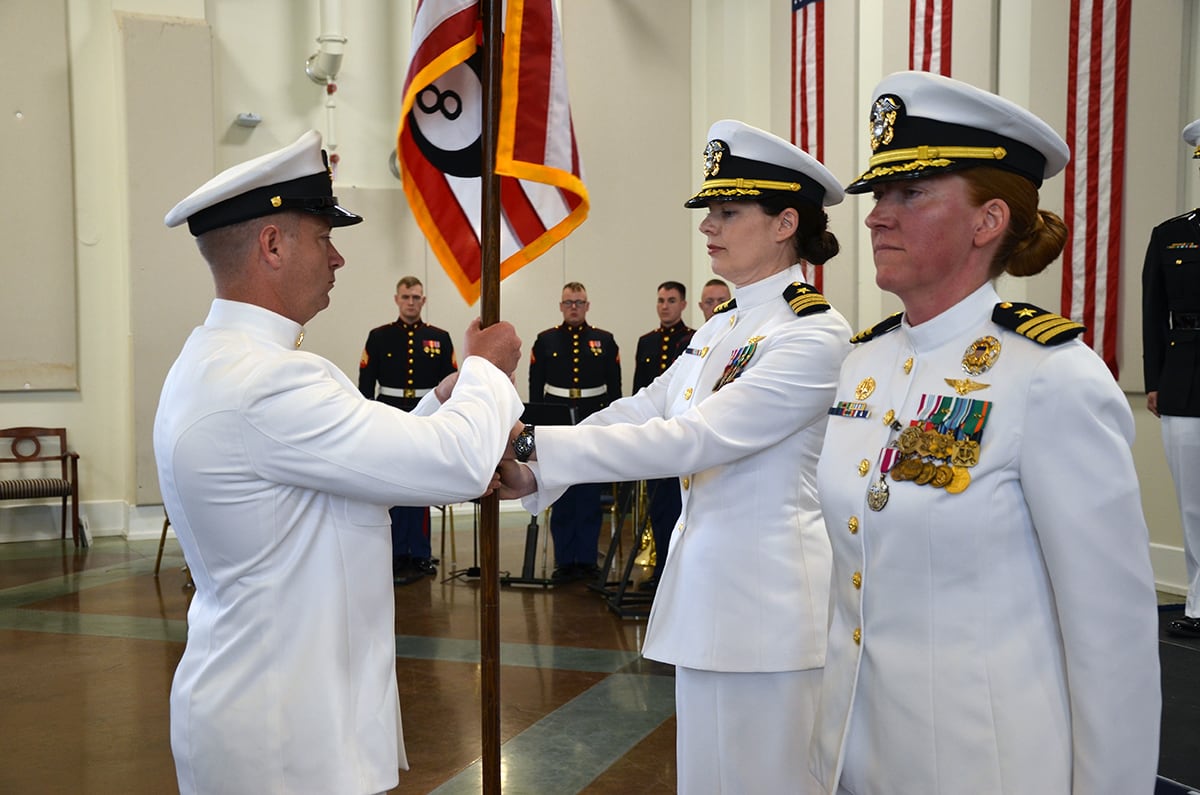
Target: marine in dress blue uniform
(656, 351)
(1171, 361)
(577, 365)
(401, 363)
(993, 622)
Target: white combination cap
(1191, 136)
(296, 177)
(743, 162)
(923, 124)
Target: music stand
(538, 414)
(472, 572)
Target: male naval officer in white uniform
(277, 475)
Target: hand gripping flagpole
(489, 285)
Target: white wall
(647, 79)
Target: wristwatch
(523, 444)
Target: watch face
(523, 445)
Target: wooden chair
(25, 474)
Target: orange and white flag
(439, 143)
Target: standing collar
(954, 322)
(254, 320)
(768, 289)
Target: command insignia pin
(981, 355)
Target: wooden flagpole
(489, 288)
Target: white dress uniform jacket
(1002, 639)
(746, 582)
(276, 474)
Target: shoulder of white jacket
(889, 323)
(804, 299)
(1035, 323)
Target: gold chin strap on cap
(742, 184)
(928, 153)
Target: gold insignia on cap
(276, 201)
(964, 386)
(713, 153)
(981, 355)
(865, 388)
(883, 120)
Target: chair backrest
(29, 444)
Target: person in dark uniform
(1171, 360)
(407, 359)
(656, 350)
(578, 365)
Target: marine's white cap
(743, 162)
(1191, 136)
(924, 124)
(296, 178)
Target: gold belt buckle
(410, 393)
(575, 393)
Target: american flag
(439, 145)
(1095, 178)
(929, 27)
(808, 90)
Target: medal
(865, 388)
(877, 494)
(960, 481)
(981, 355)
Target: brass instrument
(645, 553)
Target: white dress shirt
(277, 476)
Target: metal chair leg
(161, 543)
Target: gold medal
(913, 468)
(960, 481)
(908, 440)
(927, 470)
(967, 454)
(980, 357)
(865, 388)
(942, 476)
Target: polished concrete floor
(89, 640)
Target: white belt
(403, 393)
(588, 392)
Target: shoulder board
(1187, 217)
(725, 307)
(804, 299)
(889, 323)
(1044, 328)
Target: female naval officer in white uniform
(994, 625)
(742, 606)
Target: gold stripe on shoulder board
(1044, 328)
(804, 299)
(889, 323)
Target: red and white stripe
(929, 28)
(808, 91)
(542, 195)
(1095, 178)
